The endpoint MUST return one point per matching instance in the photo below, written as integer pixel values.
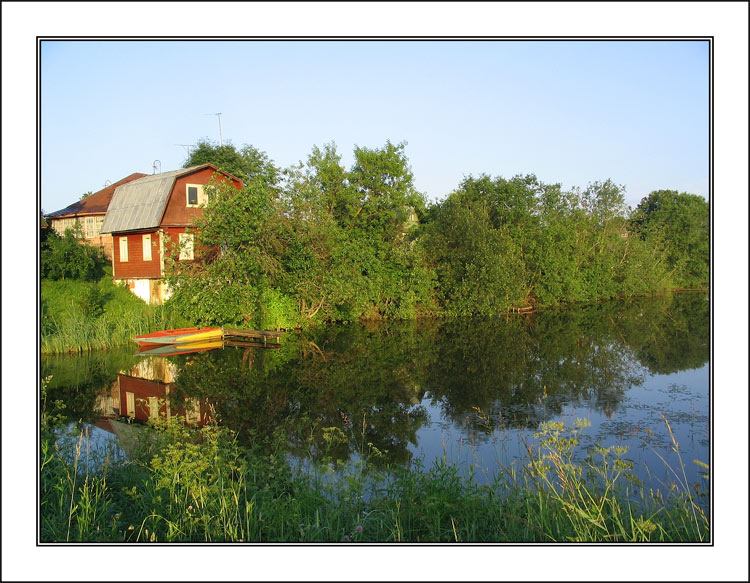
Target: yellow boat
(180, 335)
(179, 348)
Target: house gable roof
(140, 204)
(96, 203)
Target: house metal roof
(140, 204)
(95, 203)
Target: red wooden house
(147, 214)
(88, 213)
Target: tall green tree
(248, 163)
(678, 223)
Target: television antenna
(218, 115)
(107, 183)
(187, 147)
(155, 164)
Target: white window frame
(201, 197)
(147, 247)
(123, 247)
(187, 247)
(90, 227)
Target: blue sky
(569, 112)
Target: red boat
(180, 335)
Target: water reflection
(382, 388)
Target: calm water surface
(470, 392)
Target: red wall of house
(135, 267)
(177, 211)
(172, 240)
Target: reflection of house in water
(143, 393)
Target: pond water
(469, 392)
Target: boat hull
(181, 335)
(154, 349)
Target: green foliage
(497, 243)
(67, 257)
(678, 223)
(248, 163)
(333, 244)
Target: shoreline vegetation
(201, 485)
(319, 243)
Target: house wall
(101, 240)
(135, 267)
(177, 212)
(151, 291)
(144, 278)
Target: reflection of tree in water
(366, 383)
(671, 333)
(517, 372)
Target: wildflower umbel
(358, 528)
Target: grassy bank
(79, 315)
(187, 485)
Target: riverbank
(77, 315)
(200, 485)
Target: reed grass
(78, 316)
(200, 485)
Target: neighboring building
(146, 215)
(89, 214)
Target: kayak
(152, 349)
(180, 335)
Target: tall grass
(200, 485)
(78, 316)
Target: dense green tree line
(319, 241)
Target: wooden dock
(250, 344)
(521, 310)
(239, 334)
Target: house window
(75, 224)
(196, 195)
(186, 246)
(123, 248)
(66, 224)
(90, 223)
(147, 247)
(98, 222)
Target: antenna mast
(218, 115)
